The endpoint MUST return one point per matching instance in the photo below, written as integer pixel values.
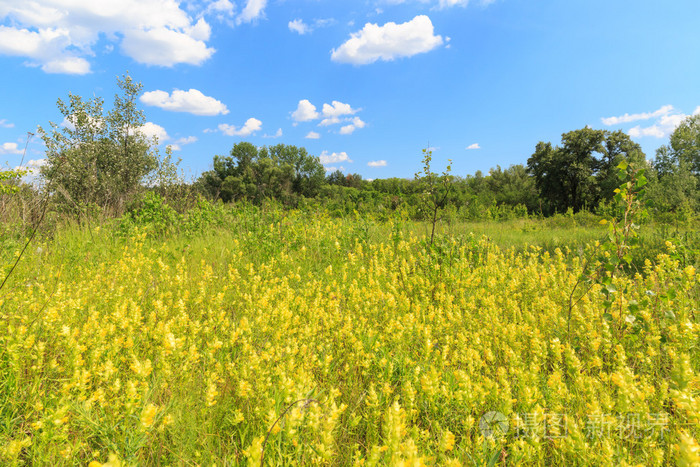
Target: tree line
(101, 161)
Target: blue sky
(363, 84)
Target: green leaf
(622, 165)
(607, 316)
(630, 319)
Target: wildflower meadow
(283, 337)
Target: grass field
(305, 339)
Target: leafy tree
(581, 171)
(96, 157)
(617, 148)
(684, 145)
(307, 173)
(281, 172)
(435, 189)
(677, 167)
(337, 177)
(513, 186)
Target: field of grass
(283, 338)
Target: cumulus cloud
(333, 158)
(665, 110)
(165, 47)
(221, 9)
(333, 113)
(60, 36)
(10, 148)
(666, 119)
(474, 146)
(299, 27)
(5, 124)
(661, 129)
(388, 42)
(337, 109)
(178, 143)
(253, 10)
(305, 111)
(379, 163)
(249, 127)
(349, 129)
(192, 101)
(312, 135)
(278, 134)
(152, 130)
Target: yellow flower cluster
(300, 343)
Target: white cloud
(661, 129)
(450, 3)
(60, 35)
(442, 4)
(666, 119)
(338, 109)
(474, 146)
(5, 124)
(165, 47)
(626, 118)
(152, 130)
(299, 27)
(388, 42)
(349, 129)
(305, 111)
(312, 135)
(192, 101)
(221, 7)
(278, 134)
(334, 113)
(334, 158)
(46, 47)
(253, 10)
(330, 121)
(186, 140)
(697, 110)
(251, 126)
(379, 163)
(177, 145)
(9, 148)
(33, 166)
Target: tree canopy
(282, 172)
(581, 172)
(97, 157)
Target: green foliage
(581, 172)
(684, 146)
(281, 172)
(97, 157)
(9, 181)
(677, 167)
(616, 252)
(434, 190)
